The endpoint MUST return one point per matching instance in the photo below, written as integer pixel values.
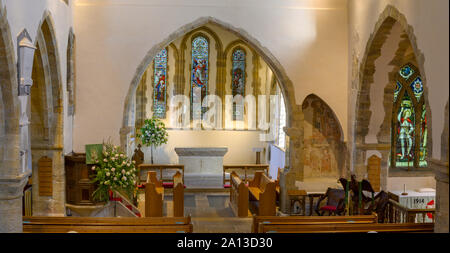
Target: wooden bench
(245, 167)
(49, 224)
(154, 196)
(238, 196)
(262, 189)
(167, 182)
(178, 195)
(282, 220)
(346, 228)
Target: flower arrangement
(115, 171)
(153, 133)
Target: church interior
(255, 116)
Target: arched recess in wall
(9, 104)
(46, 119)
(324, 148)
(284, 82)
(407, 51)
(71, 74)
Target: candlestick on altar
(404, 190)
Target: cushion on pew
(328, 208)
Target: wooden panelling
(45, 176)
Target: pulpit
(203, 167)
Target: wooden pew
(282, 220)
(154, 196)
(346, 228)
(178, 195)
(50, 224)
(238, 196)
(262, 189)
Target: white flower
(105, 160)
(107, 174)
(106, 182)
(128, 173)
(115, 178)
(134, 181)
(128, 164)
(117, 155)
(112, 158)
(134, 162)
(113, 169)
(93, 167)
(123, 171)
(121, 155)
(124, 178)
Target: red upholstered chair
(335, 202)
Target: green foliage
(114, 172)
(153, 133)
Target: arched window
(238, 81)
(160, 84)
(199, 77)
(409, 122)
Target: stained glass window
(238, 81)
(409, 132)
(159, 84)
(199, 77)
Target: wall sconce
(25, 51)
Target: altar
(203, 166)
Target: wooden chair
(335, 202)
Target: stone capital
(440, 170)
(12, 187)
(293, 132)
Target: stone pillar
(11, 192)
(441, 175)
(293, 170)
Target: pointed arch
(323, 140)
(285, 83)
(9, 104)
(387, 19)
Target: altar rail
(396, 213)
(47, 224)
(159, 167)
(245, 168)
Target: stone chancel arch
(181, 79)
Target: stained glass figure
(423, 138)
(159, 84)
(238, 81)
(199, 78)
(405, 133)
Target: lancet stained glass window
(199, 76)
(159, 84)
(409, 132)
(238, 81)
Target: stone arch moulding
(46, 41)
(381, 31)
(70, 85)
(285, 83)
(9, 118)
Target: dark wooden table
(311, 196)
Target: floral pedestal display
(116, 172)
(153, 134)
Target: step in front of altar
(199, 180)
